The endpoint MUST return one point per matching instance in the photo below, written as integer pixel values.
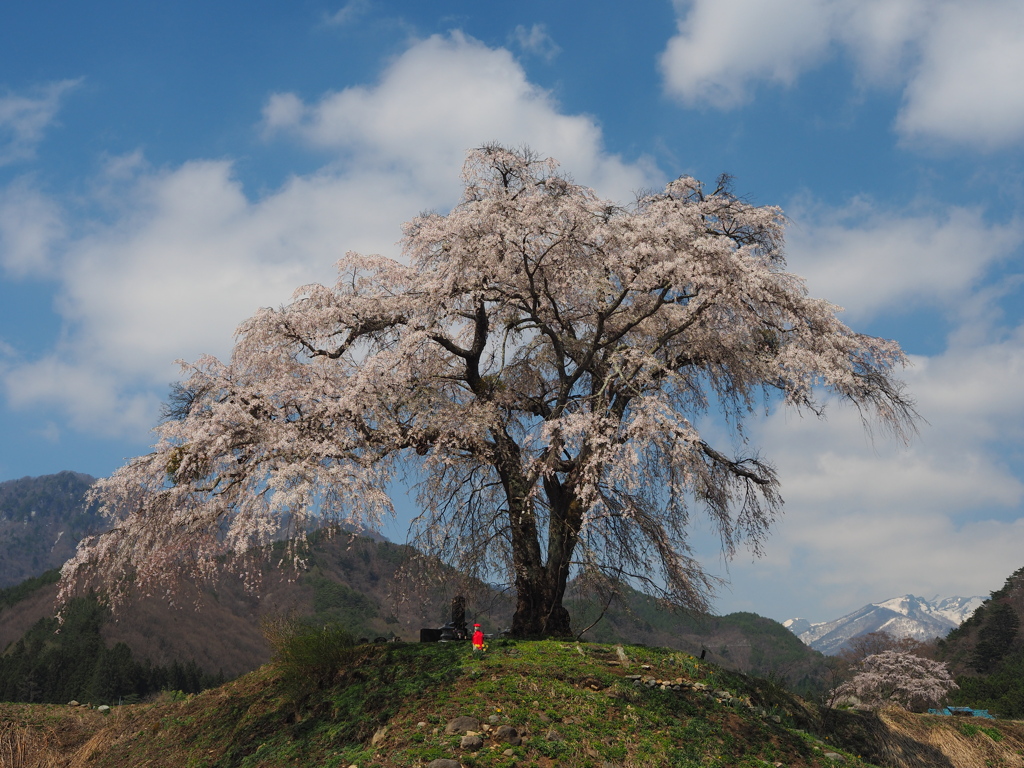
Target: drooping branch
(764, 476)
(540, 356)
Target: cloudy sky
(166, 169)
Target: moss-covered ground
(575, 705)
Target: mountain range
(905, 616)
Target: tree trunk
(539, 609)
(540, 588)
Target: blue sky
(167, 169)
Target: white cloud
(832, 561)
(967, 88)
(95, 400)
(959, 62)
(869, 260)
(31, 227)
(723, 45)
(882, 35)
(189, 257)
(183, 255)
(868, 520)
(535, 40)
(348, 13)
(24, 119)
(442, 97)
(50, 432)
(972, 394)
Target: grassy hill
(356, 582)
(743, 641)
(572, 705)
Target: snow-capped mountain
(906, 616)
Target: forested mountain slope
(745, 642)
(348, 580)
(986, 652)
(357, 582)
(42, 519)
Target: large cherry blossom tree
(899, 678)
(541, 360)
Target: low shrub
(310, 657)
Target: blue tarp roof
(961, 712)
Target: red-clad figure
(478, 638)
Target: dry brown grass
(43, 736)
(96, 745)
(26, 748)
(957, 740)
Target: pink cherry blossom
(538, 362)
(899, 678)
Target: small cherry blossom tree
(540, 359)
(899, 678)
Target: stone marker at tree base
(455, 629)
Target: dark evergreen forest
(55, 663)
(987, 652)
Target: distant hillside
(992, 633)
(355, 581)
(987, 652)
(745, 642)
(351, 580)
(42, 519)
(46, 665)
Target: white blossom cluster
(899, 678)
(540, 358)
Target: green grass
(323, 700)
(972, 729)
(992, 733)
